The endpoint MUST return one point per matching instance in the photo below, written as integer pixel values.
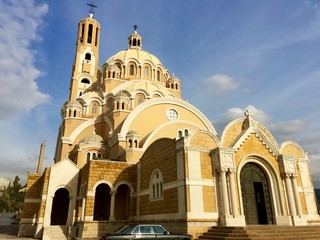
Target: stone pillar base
(299, 221)
(283, 220)
(230, 220)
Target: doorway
(60, 207)
(255, 195)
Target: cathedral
(130, 149)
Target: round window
(172, 114)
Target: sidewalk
(8, 230)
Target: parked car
(143, 232)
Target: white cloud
(220, 83)
(234, 113)
(287, 128)
(19, 23)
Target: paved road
(7, 229)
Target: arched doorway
(122, 203)
(256, 197)
(102, 202)
(60, 207)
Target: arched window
(134, 42)
(158, 75)
(179, 134)
(94, 156)
(94, 109)
(146, 72)
(156, 185)
(130, 143)
(186, 132)
(85, 80)
(122, 105)
(140, 100)
(97, 36)
(88, 157)
(74, 113)
(131, 70)
(117, 105)
(90, 33)
(99, 155)
(88, 56)
(135, 143)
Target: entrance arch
(60, 207)
(256, 197)
(122, 203)
(102, 202)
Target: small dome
(132, 132)
(92, 138)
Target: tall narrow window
(94, 109)
(97, 36)
(131, 70)
(158, 75)
(134, 42)
(156, 185)
(88, 157)
(146, 71)
(90, 33)
(82, 32)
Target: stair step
(263, 232)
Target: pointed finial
(248, 114)
(92, 7)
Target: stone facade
(130, 149)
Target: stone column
(225, 198)
(113, 196)
(292, 208)
(296, 195)
(233, 193)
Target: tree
(12, 198)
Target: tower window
(90, 33)
(85, 80)
(134, 42)
(88, 56)
(97, 36)
(82, 32)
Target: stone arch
(270, 187)
(60, 207)
(102, 202)
(122, 202)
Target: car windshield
(122, 229)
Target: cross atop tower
(92, 7)
(135, 27)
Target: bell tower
(85, 67)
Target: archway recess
(256, 198)
(60, 207)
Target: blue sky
(231, 55)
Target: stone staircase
(55, 232)
(263, 232)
